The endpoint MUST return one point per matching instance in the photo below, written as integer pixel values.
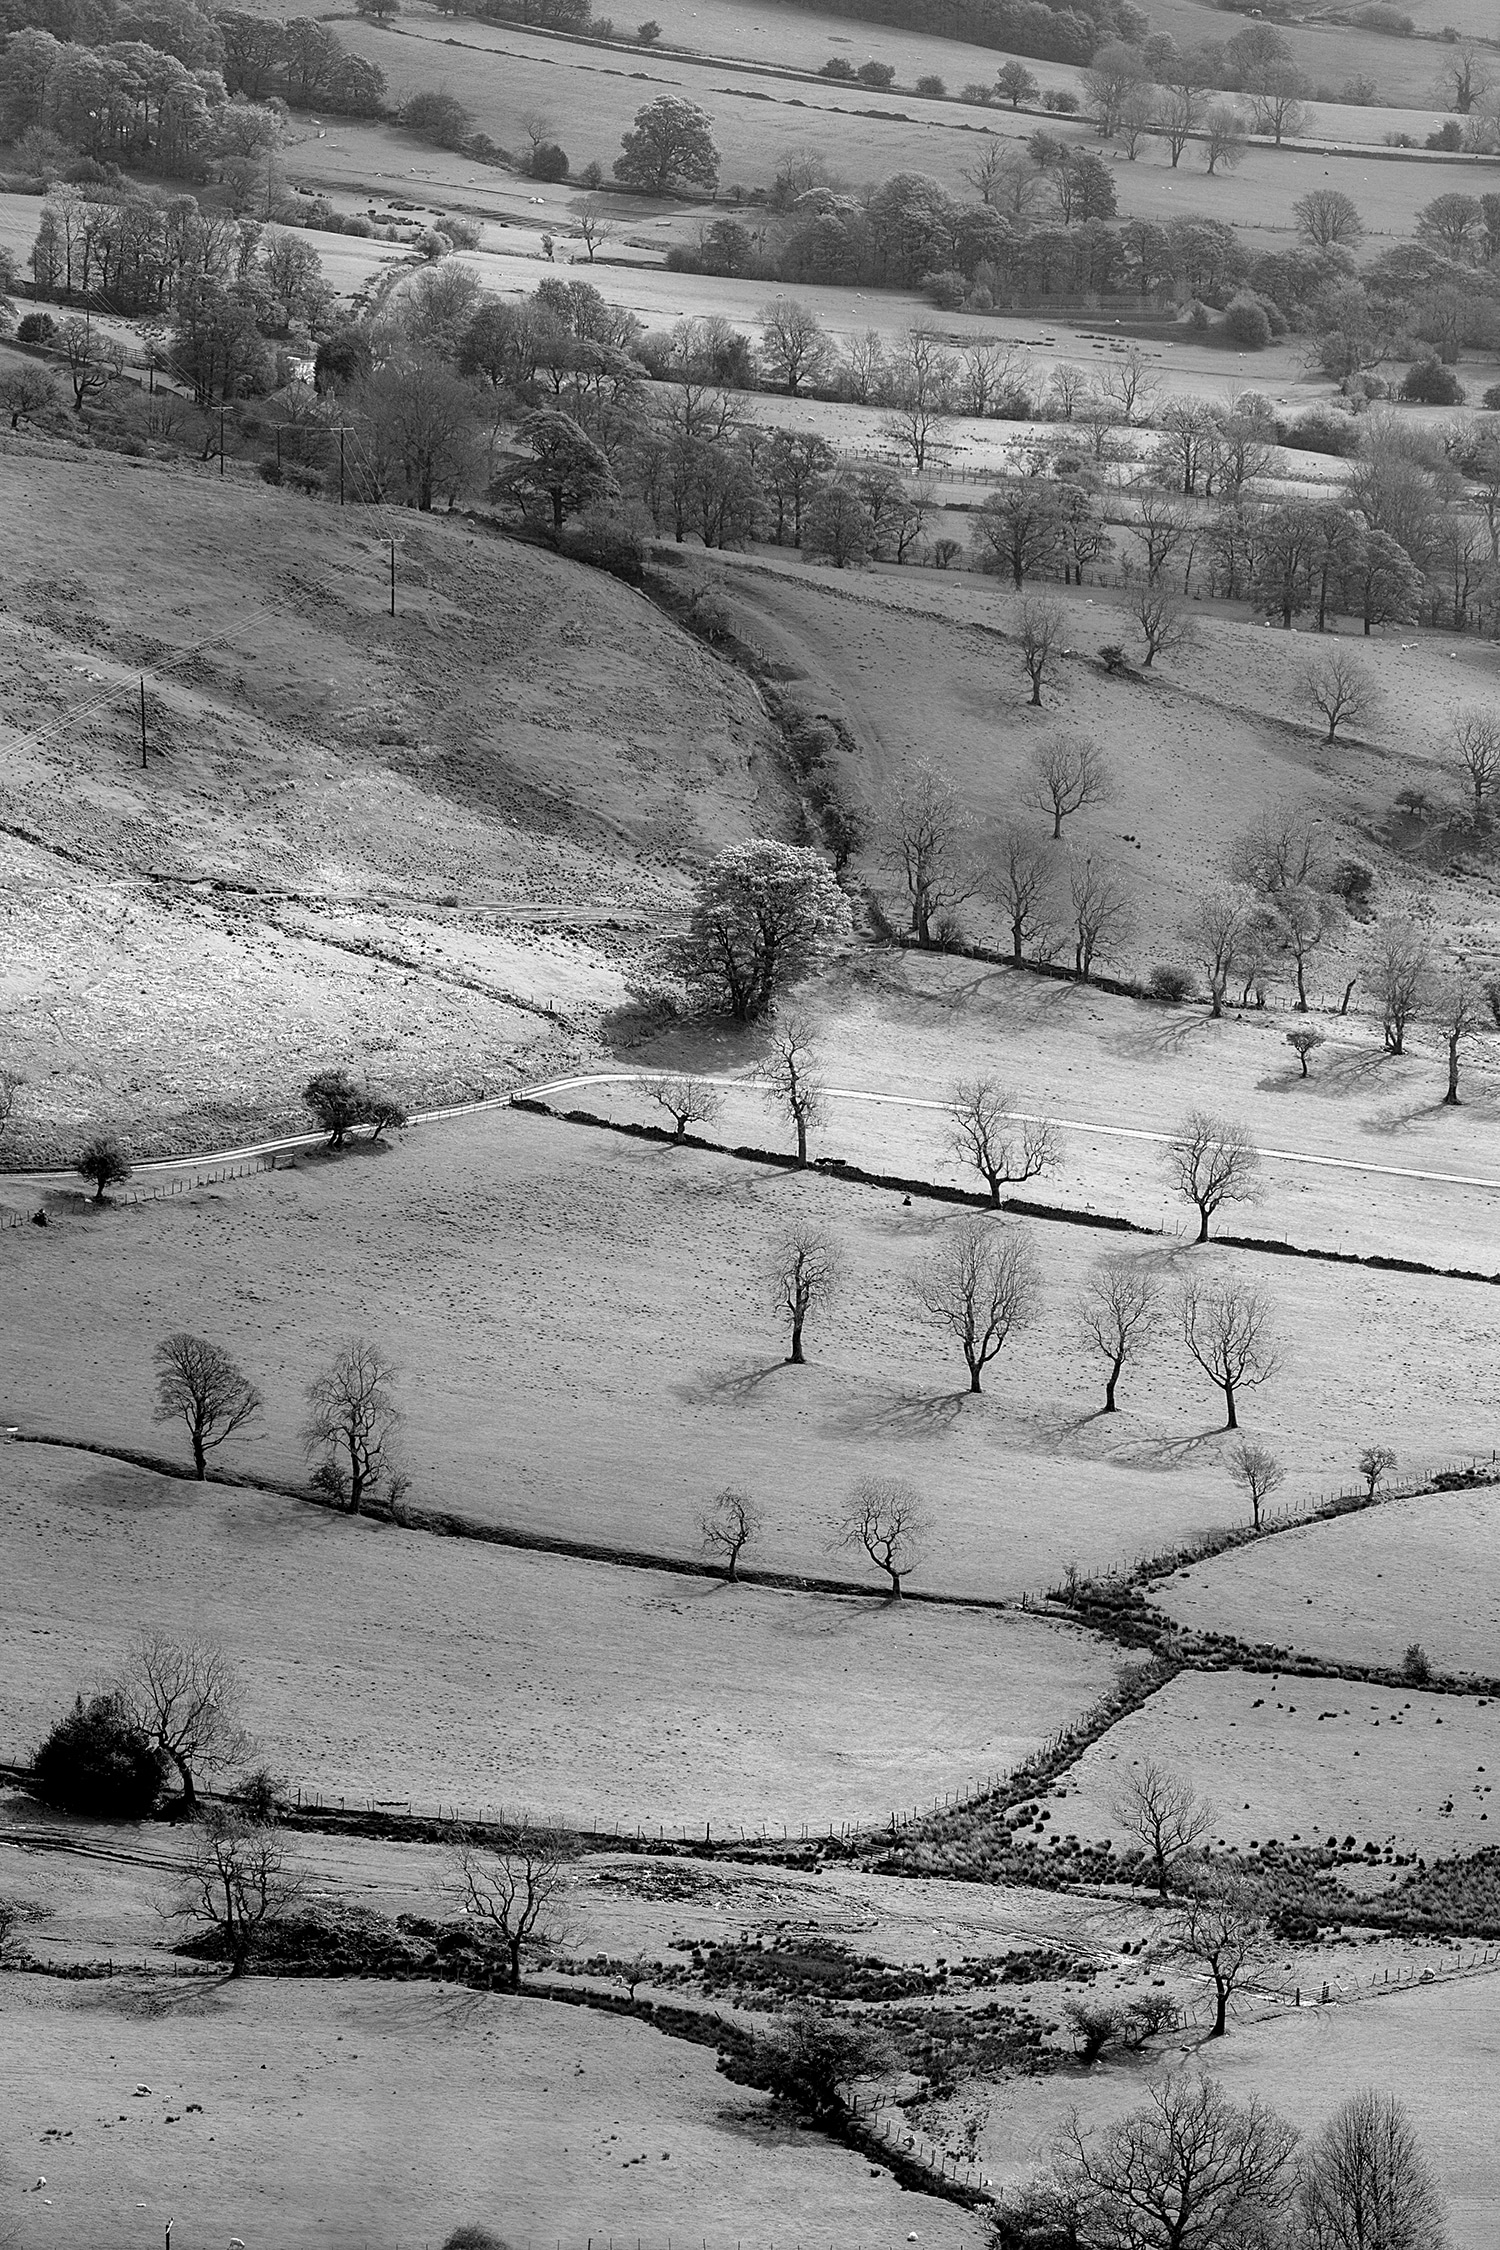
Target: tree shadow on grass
(732, 1385)
(903, 1413)
(1160, 1035)
(1167, 1453)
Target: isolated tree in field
(105, 1161)
(922, 828)
(1102, 910)
(1119, 1313)
(1326, 217)
(1304, 1041)
(198, 1383)
(352, 1423)
(11, 1082)
(1458, 1013)
(1340, 688)
(1372, 1465)
(509, 1882)
(1223, 137)
(1214, 927)
(765, 914)
(1256, 1469)
(185, 1698)
(237, 1882)
(336, 1102)
(1229, 1330)
(885, 1517)
(1166, 1816)
(1016, 84)
(670, 143)
(1397, 969)
(1067, 773)
(1190, 2170)
(804, 1272)
(1475, 740)
(795, 346)
(1222, 1931)
(687, 1101)
(980, 1284)
(1366, 2185)
(795, 1087)
(986, 1134)
(1165, 625)
(1040, 626)
(1022, 881)
(1210, 1163)
(727, 1526)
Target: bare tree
(1067, 773)
(1372, 1465)
(1190, 2170)
(795, 1087)
(1002, 1148)
(1306, 921)
(797, 347)
(184, 1696)
(1222, 1931)
(885, 1517)
(1282, 851)
(1210, 1163)
(594, 230)
(1166, 625)
(238, 1883)
(1178, 111)
(980, 1284)
(1366, 2185)
(1041, 626)
(1229, 1329)
(351, 1428)
(1129, 382)
(728, 1526)
(1214, 927)
(1165, 1814)
(687, 1101)
(1258, 1470)
(1119, 1313)
(1339, 687)
(1475, 741)
(923, 829)
(1223, 137)
(1397, 968)
(1303, 1041)
(1458, 1012)
(199, 1384)
(804, 1271)
(1022, 882)
(510, 1879)
(1103, 912)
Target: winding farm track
(550, 1088)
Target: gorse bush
(98, 1762)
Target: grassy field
(1363, 1590)
(584, 1347)
(1299, 1760)
(391, 1664)
(400, 2138)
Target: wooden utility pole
(393, 578)
(143, 722)
(221, 441)
(341, 464)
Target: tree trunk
(1203, 1218)
(796, 1353)
(515, 1963)
(200, 1462)
(974, 1375)
(801, 1140)
(1221, 2009)
(1233, 1422)
(1450, 1099)
(1036, 697)
(895, 1583)
(1302, 1058)
(1015, 943)
(185, 1776)
(1215, 1001)
(1109, 1388)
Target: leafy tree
(199, 1383)
(810, 2058)
(422, 425)
(1223, 137)
(671, 142)
(336, 1102)
(26, 393)
(1016, 84)
(105, 1160)
(795, 345)
(836, 524)
(567, 472)
(1328, 218)
(1303, 1041)
(765, 914)
(1372, 1465)
(97, 1761)
(352, 1423)
(885, 1517)
(1020, 528)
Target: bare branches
(1002, 1148)
(1041, 625)
(1222, 1931)
(1103, 912)
(1458, 1012)
(1211, 1163)
(980, 1283)
(1067, 773)
(923, 829)
(687, 1101)
(1365, 2182)
(1119, 1313)
(1397, 969)
(885, 1517)
(1339, 687)
(1165, 1814)
(352, 1424)
(1166, 624)
(803, 1272)
(728, 1525)
(1475, 752)
(508, 1885)
(238, 1883)
(1258, 1470)
(1229, 1329)
(185, 1698)
(795, 1087)
(198, 1383)
(1214, 927)
(1021, 880)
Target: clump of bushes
(97, 1761)
(1429, 383)
(1247, 324)
(1168, 982)
(1414, 1665)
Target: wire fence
(163, 1191)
